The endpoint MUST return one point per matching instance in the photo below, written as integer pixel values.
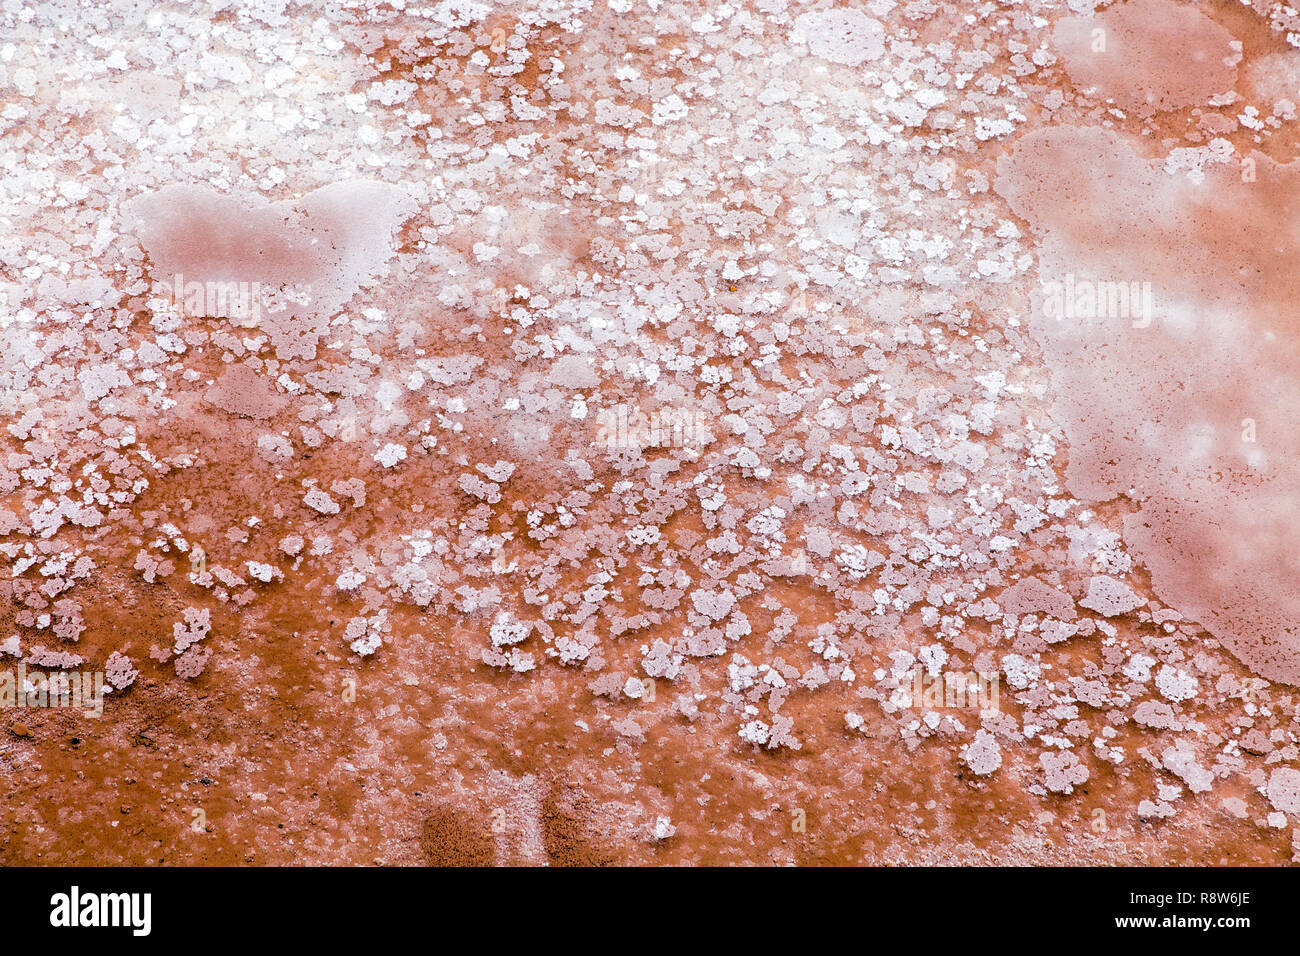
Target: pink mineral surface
(604, 432)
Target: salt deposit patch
(1275, 77)
(242, 391)
(1149, 55)
(1110, 597)
(1188, 406)
(1284, 790)
(309, 257)
(842, 36)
